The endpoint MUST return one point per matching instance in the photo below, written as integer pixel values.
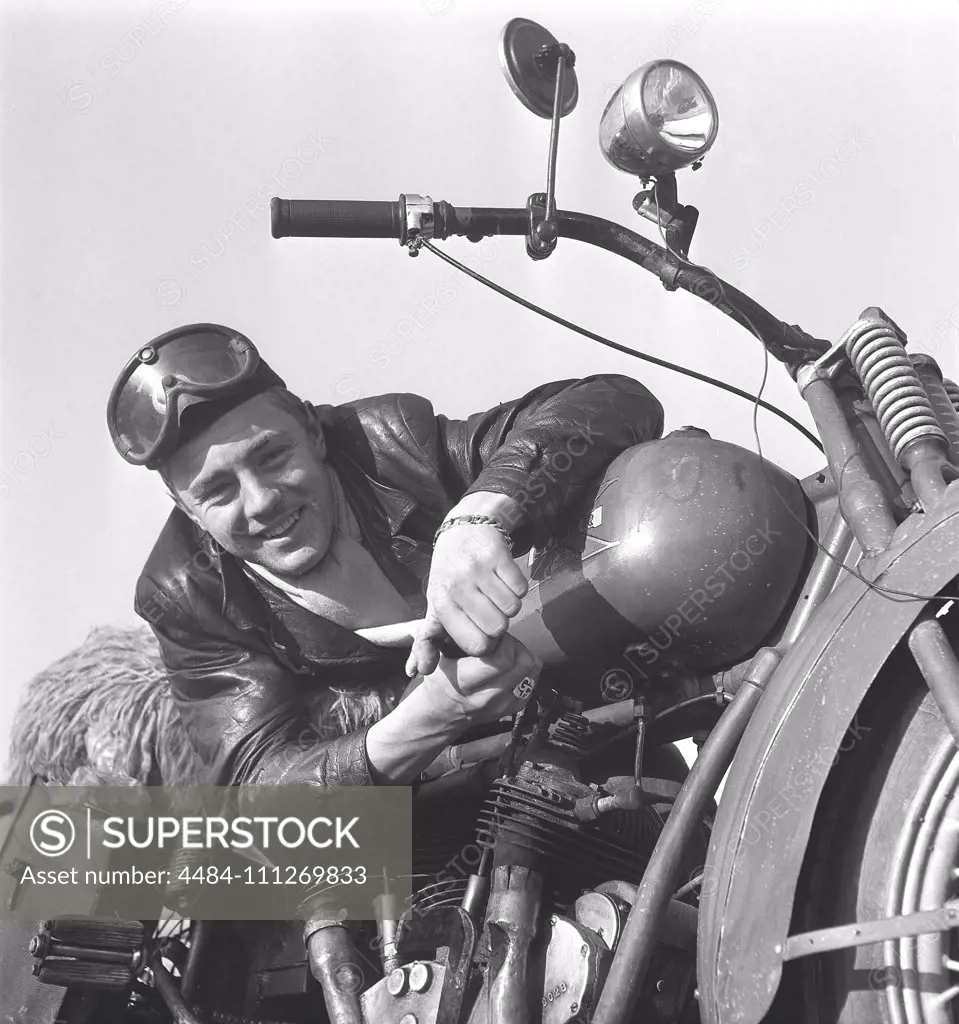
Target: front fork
(919, 446)
(919, 416)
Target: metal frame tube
(865, 427)
(333, 960)
(865, 505)
(927, 461)
(512, 915)
(199, 938)
(939, 666)
(822, 578)
(621, 990)
(169, 990)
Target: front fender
(776, 779)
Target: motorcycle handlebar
(332, 218)
(348, 218)
(336, 218)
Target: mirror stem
(544, 233)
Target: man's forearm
(506, 510)
(405, 741)
(545, 456)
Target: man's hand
(474, 589)
(458, 694)
(473, 691)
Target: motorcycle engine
(525, 873)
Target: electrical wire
(757, 401)
(623, 348)
(890, 593)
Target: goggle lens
(188, 362)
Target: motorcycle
(569, 867)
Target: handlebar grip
(336, 218)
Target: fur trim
(106, 706)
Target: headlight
(661, 119)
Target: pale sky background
(134, 131)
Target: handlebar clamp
(420, 222)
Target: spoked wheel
(919, 976)
(885, 843)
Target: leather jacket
(243, 658)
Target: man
(296, 525)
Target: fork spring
(893, 386)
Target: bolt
(553, 920)
(584, 949)
(546, 232)
(660, 985)
(573, 1007)
(420, 977)
(396, 982)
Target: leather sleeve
(242, 711)
(544, 449)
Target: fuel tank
(688, 546)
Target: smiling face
(257, 481)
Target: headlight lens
(661, 119)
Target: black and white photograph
(479, 512)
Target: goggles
(198, 365)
